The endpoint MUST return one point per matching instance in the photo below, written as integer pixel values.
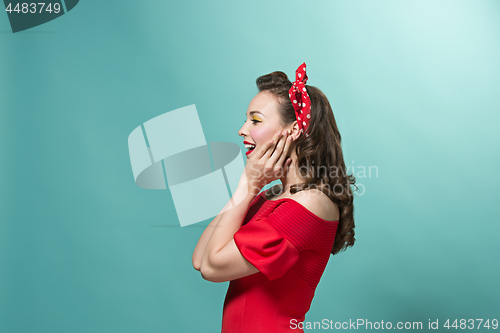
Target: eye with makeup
(255, 120)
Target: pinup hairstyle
(316, 154)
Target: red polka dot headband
(300, 99)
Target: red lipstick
(249, 143)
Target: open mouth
(249, 147)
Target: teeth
(247, 146)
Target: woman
(274, 246)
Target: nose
(243, 131)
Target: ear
(295, 130)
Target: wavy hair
(320, 151)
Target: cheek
(261, 135)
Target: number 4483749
(472, 323)
(33, 8)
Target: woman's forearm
(202, 243)
(205, 236)
(230, 221)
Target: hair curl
(321, 150)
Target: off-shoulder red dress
(290, 246)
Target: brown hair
(320, 151)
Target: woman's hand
(268, 162)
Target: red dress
(290, 246)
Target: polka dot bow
(300, 99)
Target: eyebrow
(252, 112)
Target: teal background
(414, 88)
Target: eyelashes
(253, 121)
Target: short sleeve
(265, 248)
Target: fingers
(268, 148)
(276, 147)
(288, 163)
(287, 139)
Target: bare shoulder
(318, 203)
